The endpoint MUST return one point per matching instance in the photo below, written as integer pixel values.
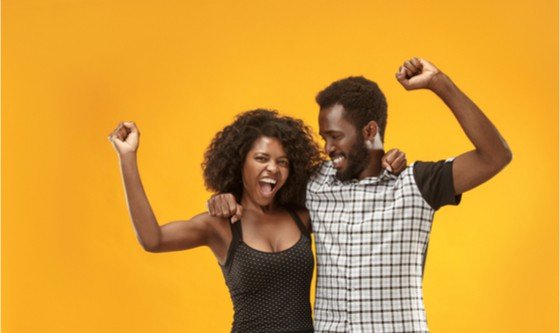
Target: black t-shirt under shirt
(435, 182)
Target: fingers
(238, 213)
(223, 205)
(402, 73)
(130, 125)
(388, 159)
(122, 130)
(399, 163)
(210, 206)
(390, 156)
(214, 205)
(114, 132)
(231, 204)
(413, 67)
(409, 69)
(402, 76)
(228, 205)
(116, 135)
(417, 62)
(394, 161)
(387, 167)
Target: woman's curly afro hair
(225, 157)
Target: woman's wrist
(128, 157)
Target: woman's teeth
(269, 181)
(267, 185)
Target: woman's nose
(272, 167)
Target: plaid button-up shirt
(371, 237)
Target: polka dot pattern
(270, 291)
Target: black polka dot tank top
(270, 291)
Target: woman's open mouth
(267, 186)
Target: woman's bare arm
(174, 236)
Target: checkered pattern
(371, 237)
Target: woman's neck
(251, 205)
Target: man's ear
(370, 131)
(372, 137)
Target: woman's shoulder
(303, 215)
(211, 222)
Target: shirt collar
(384, 176)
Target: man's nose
(329, 147)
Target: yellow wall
(72, 69)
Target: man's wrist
(441, 84)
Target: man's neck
(373, 169)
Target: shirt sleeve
(435, 182)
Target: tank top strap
(236, 238)
(238, 229)
(304, 230)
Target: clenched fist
(125, 138)
(418, 73)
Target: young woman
(265, 160)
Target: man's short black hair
(361, 98)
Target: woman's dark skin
(267, 226)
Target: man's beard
(357, 160)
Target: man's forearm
(481, 132)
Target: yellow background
(71, 70)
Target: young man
(371, 227)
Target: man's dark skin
(470, 169)
(225, 205)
